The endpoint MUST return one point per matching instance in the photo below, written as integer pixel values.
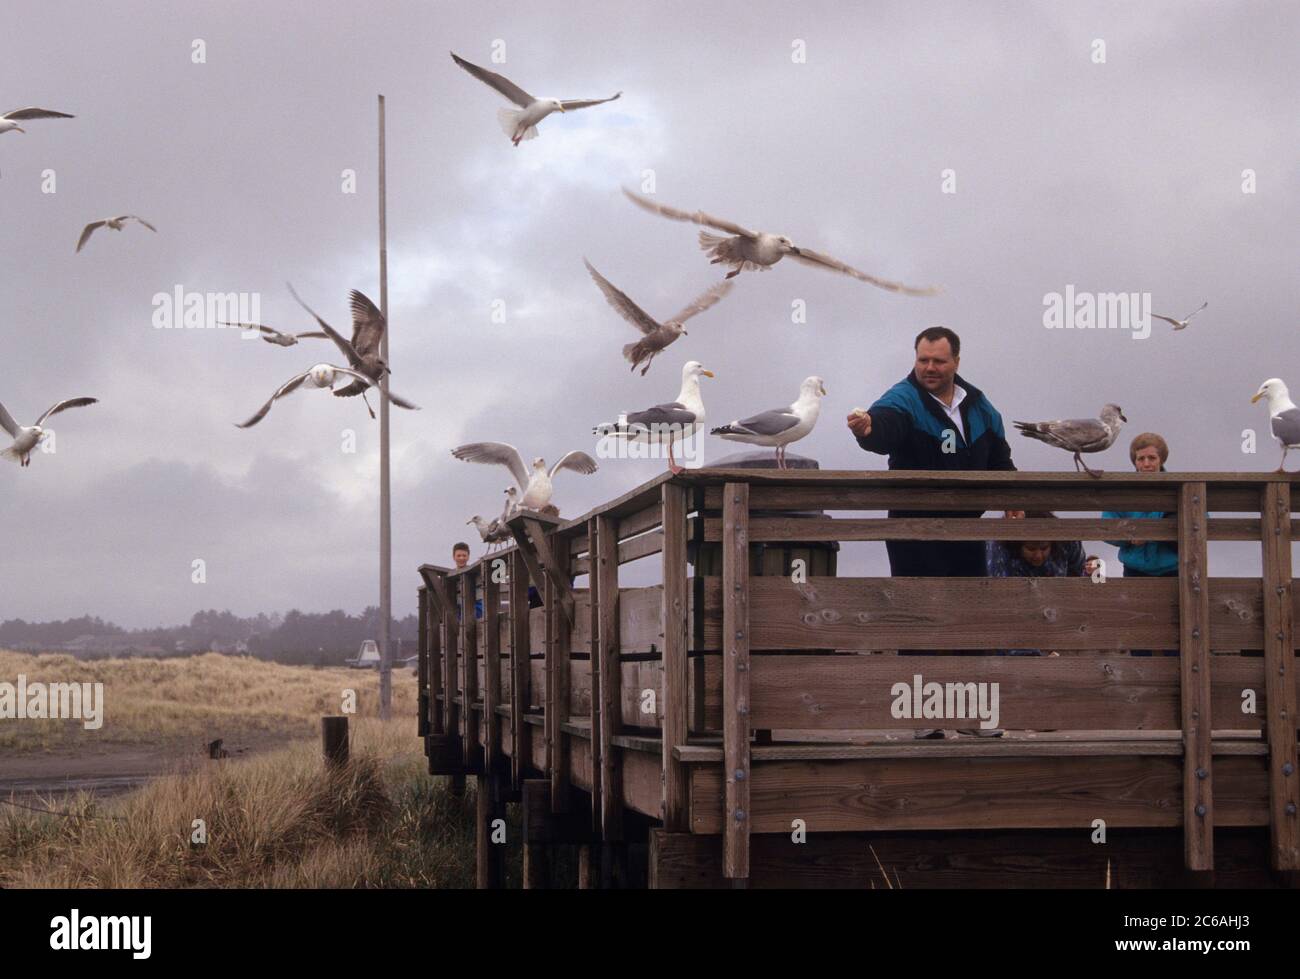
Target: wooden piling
(334, 739)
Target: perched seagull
(1078, 434)
(536, 485)
(275, 336)
(495, 531)
(657, 335)
(781, 426)
(10, 120)
(320, 376)
(521, 123)
(1182, 323)
(1283, 416)
(27, 437)
(747, 249)
(362, 353)
(114, 223)
(674, 420)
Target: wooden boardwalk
(734, 721)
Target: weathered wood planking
(1281, 675)
(422, 662)
(919, 861)
(984, 613)
(559, 623)
(592, 618)
(1199, 815)
(520, 650)
(492, 668)
(610, 676)
(947, 529)
(640, 615)
(673, 700)
(978, 793)
(469, 669)
(735, 679)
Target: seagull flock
(734, 246)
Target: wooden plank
(1142, 498)
(969, 747)
(559, 681)
(422, 661)
(469, 673)
(1280, 679)
(536, 805)
(520, 737)
(1194, 659)
(494, 573)
(984, 613)
(948, 529)
(451, 660)
(674, 697)
(978, 793)
(735, 679)
(593, 618)
(606, 571)
(639, 547)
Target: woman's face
(1147, 460)
(1035, 553)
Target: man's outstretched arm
(882, 430)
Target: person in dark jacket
(937, 420)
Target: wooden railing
(734, 703)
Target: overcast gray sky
(1117, 176)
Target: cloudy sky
(1117, 175)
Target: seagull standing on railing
(536, 483)
(27, 437)
(668, 422)
(781, 426)
(496, 531)
(1283, 416)
(1078, 434)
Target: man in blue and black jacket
(935, 419)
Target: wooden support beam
(675, 700)
(593, 591)
(735, 679)
(1194, 646)
(536, 806)
(495, 573)
(489, 865)
(559, 631)
(472, 752)
(422, 663)
(607, 650)
(1280, 680)
(520, 649)
(553, 568)
(450, 683)
(588, 876)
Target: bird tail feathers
(11, 454)
(509, 120)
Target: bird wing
(7, 422)
(268, 331)
(767, 422)
(314, 335)
(1188, 317)
(578, 461)
(624, 306)
(35, 113)
(695, 217)
(1286, 426)
(288, 387)
(703, 301)
(1167, 319)
(368, 325)
(502, 84)
(670, 413)
(136, 217)
(1075, 434)
(347, 349)
(402, 402)
(499, 453)
(810, 257)
(585, 103)
(87, 232)
(59, 406)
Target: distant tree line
(320, 638)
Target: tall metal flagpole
(385, 515)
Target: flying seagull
(1078, 434)
(521, 123)
(362, 353)
(275, 336)
(114, 223)
(10, 120)
(1283, 416)
(320, 376)
(535, 484)
(1182, 323)
(668, 422)
(747, 249)
(657, 335)
(781, 426)
(27, 437)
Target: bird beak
(1121, 417)
(685, 334)
(1258, 395)
(707, 373)
(823, 387)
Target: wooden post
(1194, 661)
(450, 657)
(605, 567)
(593, 589)
(587, 880)
(492, 663)
(520, 749)
(469, 682)
(559, 630)
(735, 678)
(488, 855)
(437, 612)
(536, 802)
(676, 662)
(422, 663)
(1280, 684)
(334, 739)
